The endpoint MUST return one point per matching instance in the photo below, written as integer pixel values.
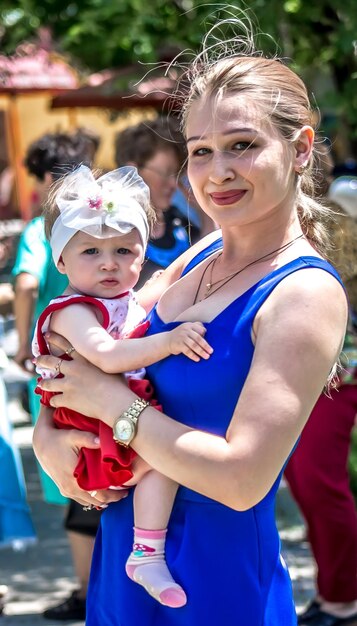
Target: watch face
(124, 430)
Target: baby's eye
(91, 251)
(123, 251)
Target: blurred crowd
(29, 280)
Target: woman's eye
(243, 145)
(91, 251)
(200, 152)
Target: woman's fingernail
(34, 361)
(96, 440)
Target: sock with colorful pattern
(146, 566)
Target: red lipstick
(224, 198)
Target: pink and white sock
(146, 565)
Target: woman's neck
(244, 243)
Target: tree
(320, 37)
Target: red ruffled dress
(111, 464)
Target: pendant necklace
(209, 286)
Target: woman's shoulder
(182, 263)
(308, 307)
(313, 290)
(203, 244)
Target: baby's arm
(79, 324)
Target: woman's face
(161, 174)
(240, 168)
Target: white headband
(116, 200)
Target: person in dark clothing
(157, 149)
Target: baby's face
(104, 268)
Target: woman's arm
(48, 440)
(78, 323)
(299, 333)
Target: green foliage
(319, 36)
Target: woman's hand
(84, 387)
(57, 451)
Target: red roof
(35, 69)
(129, 87)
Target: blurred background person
(16, 526)
(317, 472)
(37, 281)
(93, 142)
(157, 148)
(7, 180)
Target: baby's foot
(146, 566)
(157, 580)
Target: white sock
(146, 566)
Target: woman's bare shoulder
(312, 283)
(305, 301)
(200, 245)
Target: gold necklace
(208, 291)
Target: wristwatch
(126, 425)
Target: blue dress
(228, 562)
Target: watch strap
(132, 413)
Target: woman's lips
(227, 197)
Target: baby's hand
(188, 339)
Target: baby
(98, 230)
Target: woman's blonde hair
(235, 67)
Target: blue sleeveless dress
(228, 562)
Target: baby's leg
(153, 501)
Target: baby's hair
(51, 210)
(235, 66)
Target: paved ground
(43, 574)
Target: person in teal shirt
(34, 258)
(37, 281)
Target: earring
(300, 171)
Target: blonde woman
(275, 313)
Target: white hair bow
(117, 200)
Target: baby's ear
(61, 266)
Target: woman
(275, 313)
(157, 149)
